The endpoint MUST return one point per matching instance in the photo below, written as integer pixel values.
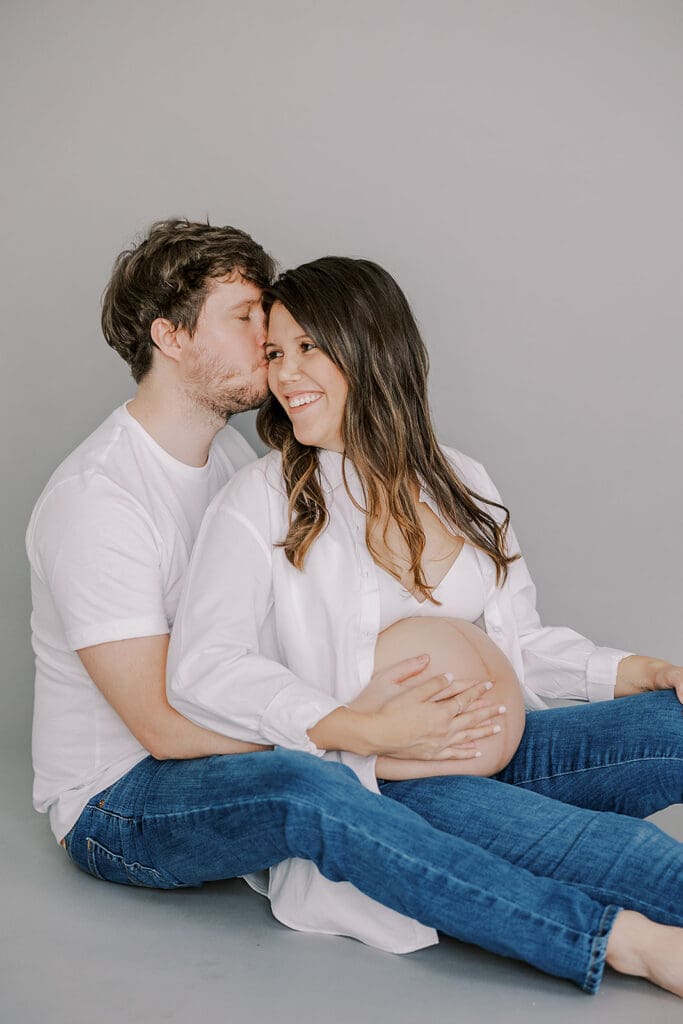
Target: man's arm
(131, 675)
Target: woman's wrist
(637, 674)
(346, 729)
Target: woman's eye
(271, 354)
(247, 317)
(308, 345)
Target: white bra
(462, 593)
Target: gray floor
(74, 950)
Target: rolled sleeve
(558, 661)
(223, 670)
(290, 715)
(601, 672)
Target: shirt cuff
(118, 629)
(286, 723)
(601, 672)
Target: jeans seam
(596, 966)
(594, 768)
(373, 839)
(114, 814)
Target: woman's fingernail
(423, 657)
(502, 709)
(488, 686)
(449, 676)
(497, 728)
(478, 753)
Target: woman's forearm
(639, 674)
(345, 729)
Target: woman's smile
(300, 400)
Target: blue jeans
(507, 863)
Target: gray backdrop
(517, 166)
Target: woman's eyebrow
(299, 337)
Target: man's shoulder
(89, 476)
(232, 444)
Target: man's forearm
(173, 737)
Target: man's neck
(182, 428)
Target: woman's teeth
(294, 403)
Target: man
(132, 788)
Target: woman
(356, 517)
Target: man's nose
(260, 327)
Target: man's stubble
(225, 392)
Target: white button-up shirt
(262, 651)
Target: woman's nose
(289, 367)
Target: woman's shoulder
(470, 471)
(250, 485)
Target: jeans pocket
(66, 842)
(110, 867)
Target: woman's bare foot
(654, 951)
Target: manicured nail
(449, 676)
(502, 709)
(478, 753)
(497, 728)
(423, 657)
(488, 686)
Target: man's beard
(224, 393)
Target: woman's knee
(297, 772)
(660, 714)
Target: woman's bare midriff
(466, 652)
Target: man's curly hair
(168, 274)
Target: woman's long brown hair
(359, 317)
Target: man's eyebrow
(244, 302)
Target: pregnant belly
(466, 652)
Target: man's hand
(638, 674)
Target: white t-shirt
(109, 543)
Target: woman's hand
(388, 683)
(475, 722)
(638, 674)
(423, 721)
(432, 722)
(473, 725)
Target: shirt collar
(331, 477)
